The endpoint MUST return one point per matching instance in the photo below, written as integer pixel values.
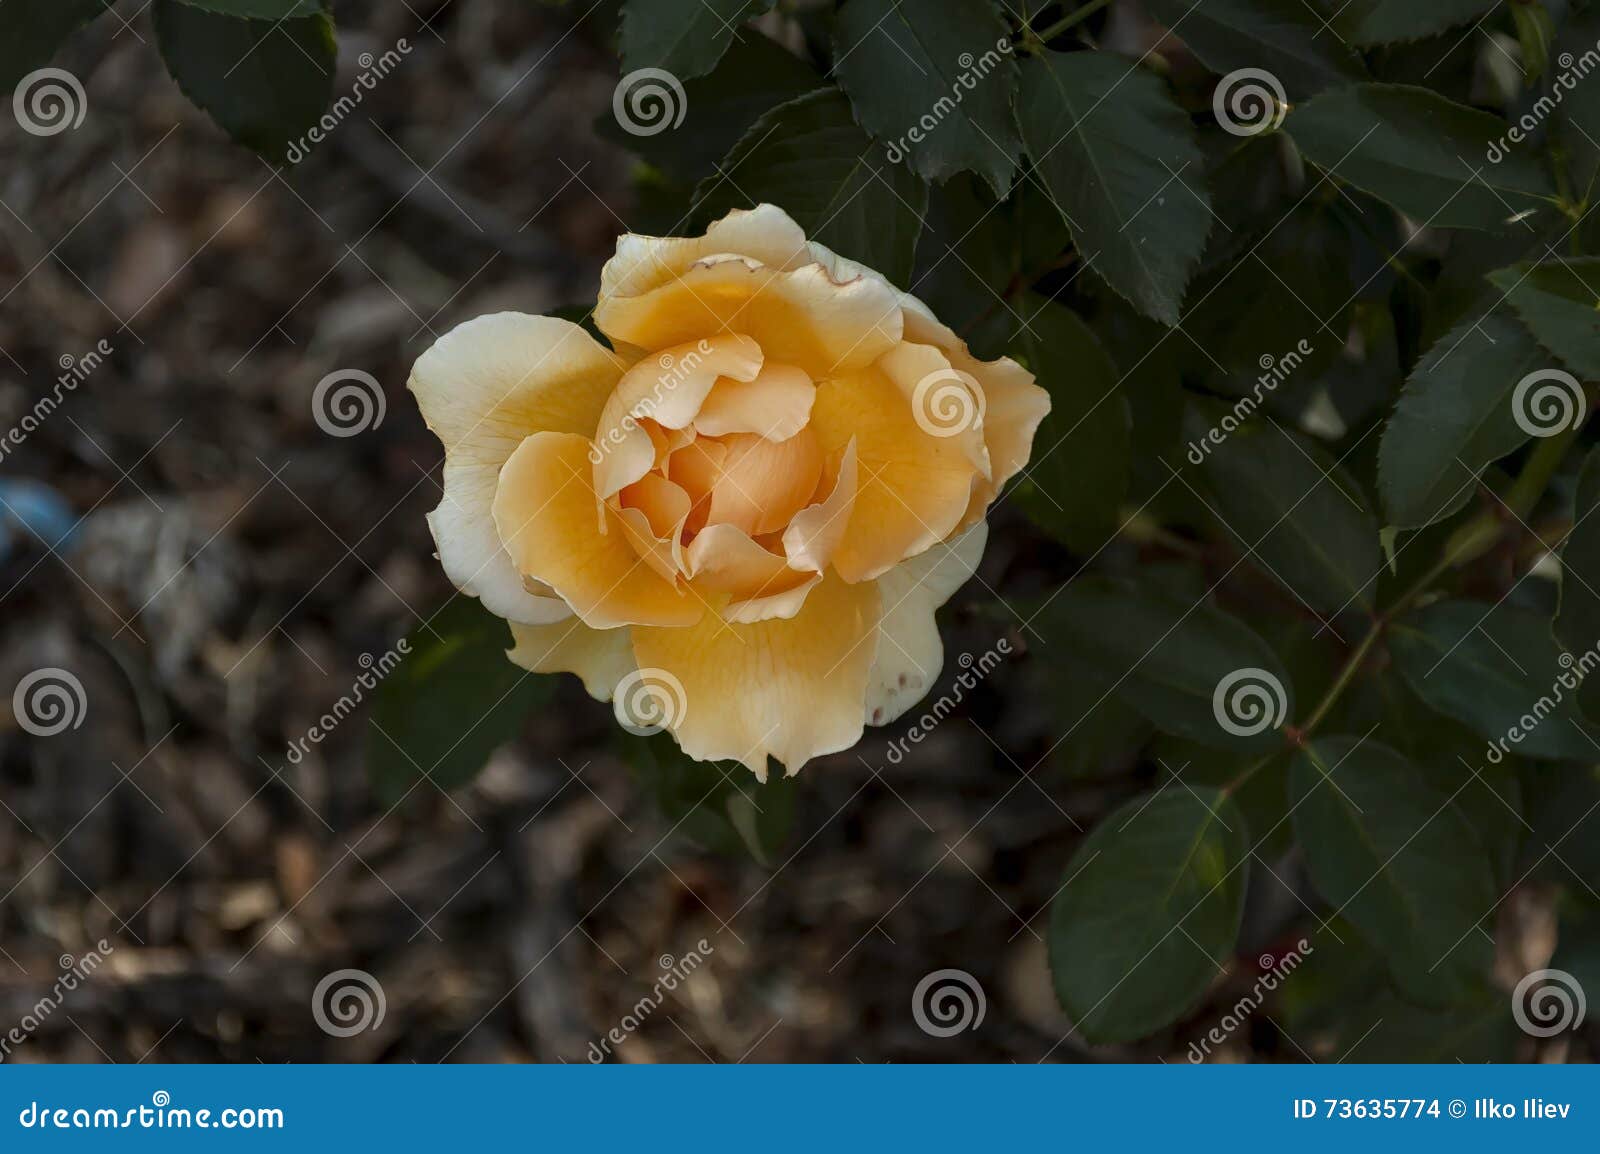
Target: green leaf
(1454, 417)
(1190, 668)
(932, 79)
(686, 40)
(1119, 159)
(265, 82)
(260, 9)
(1280, 314)
(718, 805)
(1577, 117)
(1535, 31)
(1081, 458)
(1296, 512)
(452, 702)
(1387, 1028)
(1432, 159)
(1149, 909)
(1256, 782)
(756, 75)
(1284, 37)
(1395, 858)
(972, 250)
(810, 158)
(1564, 810)
(1386, 21)
(1560, 304)
(1577, 624)
(32, 31)
(1109, 732)
(1497, 670)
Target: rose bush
(748, 509)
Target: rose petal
(653, 513)
(802, 317)
(667, 388)
(762, 484)
(482, 388)
(758, 582)
(1016, 406)
(765, 233)
(601, 657)
(776, 405)
(909, 651)
(545, 511)
(913, 487)
(791, 688)
(814, 533)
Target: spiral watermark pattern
(1249, 701)
(347, 1002)
(48, 701)
(648, 101)
(648, 701)
(1548, 1002)
(946, 403)
(946, 1002)
(1547, 402)
(1248, 101)
(347, 402)
(49, 101)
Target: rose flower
(739, 519)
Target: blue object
(32, 509)
(802, 1109)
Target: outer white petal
(909, 652)
(483, 387)
(765, 233)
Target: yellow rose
(740, 522)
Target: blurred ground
(234, 564)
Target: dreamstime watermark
(78, 971)
(1573, 69)
(1547, 402)
(946, 1002)
(161, 1114)
(1248, 101)
(373, 671)
(649, 700)
(973, 670)
(75, 370)
(1249, 701)
(347, 402)
(49, 701)
(648, 101)
(1575, 669)
(675, 369)
(1548, 1002)
(947, 402)
(677, 972)
(1275, 370)
(373, 69)
(973, 70)
(49, 101)
(347, 1002)
(1240, 1011)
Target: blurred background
(222, 571)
